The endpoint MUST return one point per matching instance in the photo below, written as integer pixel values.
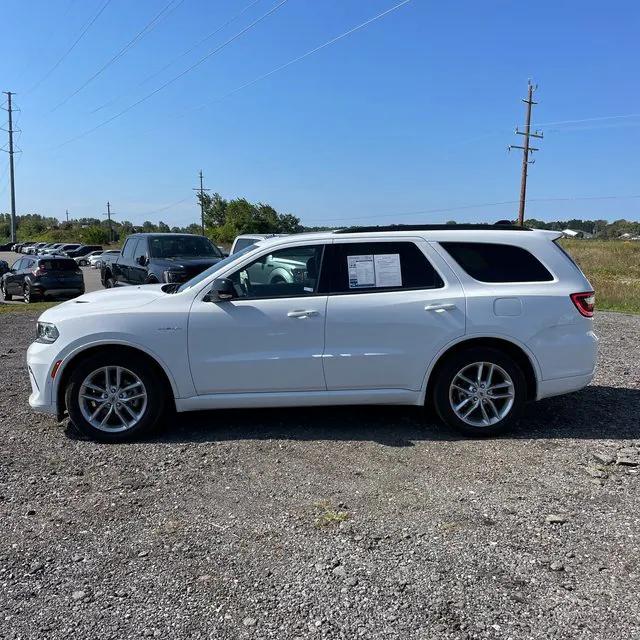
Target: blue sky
(412, 113)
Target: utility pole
(109, 214)
(527, 149)
(11, 168)
(201, 190)
(67, 212)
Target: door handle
(302, 314)
(445, 306)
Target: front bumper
(40, 361)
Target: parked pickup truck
(149, 258)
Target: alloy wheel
(112, 399)
(481, 394)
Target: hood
(192, 266)
(104, 301)
(186, 262)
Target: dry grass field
(613, 268)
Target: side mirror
(142, 260)
(221, 290)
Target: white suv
(473, 319)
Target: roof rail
(434, 227)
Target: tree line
(225, 219)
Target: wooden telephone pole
(11, 167)
(527, 149)
(201, 191)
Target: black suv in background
(82, 250)
(35, 278)
(149, 258)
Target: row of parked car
(47, 270)
(52, 269)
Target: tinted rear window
(497, 262)
(58, 264)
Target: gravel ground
(332, 523)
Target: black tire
(5, 295)
(154, 386)
(151, 280)
(108, 282)
(277, 280)
(449, 370)
(27, 295)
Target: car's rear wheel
(28, 295)
(112, 398)
(5, 295)
(479, 391)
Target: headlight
(46, 332)
(175, 276)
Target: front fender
(75, 348)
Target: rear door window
(489, 262)
(366, 267)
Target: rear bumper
(52, 293)
(550, 388)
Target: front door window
(285, 273)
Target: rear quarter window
(489, 262)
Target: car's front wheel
(479, 391)
(112, 398)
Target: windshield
(182, 246)
(212, 269)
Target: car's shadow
(596, 412)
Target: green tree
(94, 235)
(215, 207)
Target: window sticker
(374, 271)
(387, 270)
(361, 271)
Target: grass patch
(613, 268)
(21, 307)
(327, 516)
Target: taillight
(585, 302)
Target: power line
(183, 54)
(163, 208)
(144, 31)
(479, 206)
(291, 62)
(72, 47)
(180, 75)
(308, 53)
